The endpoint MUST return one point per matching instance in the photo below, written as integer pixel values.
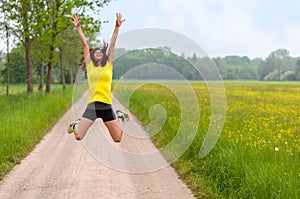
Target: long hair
(105, 57)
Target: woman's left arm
(111, 50)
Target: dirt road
(60, 167)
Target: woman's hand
(76, 20)
(119, 20)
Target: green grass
(258, 152)
(26, 118)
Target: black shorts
(99, 110)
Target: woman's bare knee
(114, 130)
(117, 138)
(77, 136)
(82, 128)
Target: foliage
(158, 56)
(39, 23)
(277, 66)
(18, 72)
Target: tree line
(278, 66)
(42, 37)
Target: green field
(256, 156)
(25, 118)
(258, 152)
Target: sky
(252, 28)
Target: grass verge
(25, 119)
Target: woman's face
(98, 55)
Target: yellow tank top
(99, 79)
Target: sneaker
(72, 126)
(123, 115)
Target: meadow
(258, 152)
(26, 118)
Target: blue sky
(251, 28)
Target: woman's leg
(82, 127)
(115, 129)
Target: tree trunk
(51, 54)
(27, 43)
(29, 66)
(8, 61)
(49, 74)
(42, 71)
(62, 72)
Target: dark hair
(105, 57)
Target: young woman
(99, 68)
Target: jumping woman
(99, 68)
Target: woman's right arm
(86, 50)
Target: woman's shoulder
(89, 64)
(108, 64)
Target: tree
(8, 59)
(282, 55)
(221, 67)
(288, 76)
(71, 53)
(40, 53)
(237, 60)
(59, 13)
(17, 65)
(7, 31)
(272, 63)
(34, 19)
(22, 14)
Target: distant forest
(278, 66)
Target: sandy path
(60, 167)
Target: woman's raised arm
(111, 50)
(86, 50)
